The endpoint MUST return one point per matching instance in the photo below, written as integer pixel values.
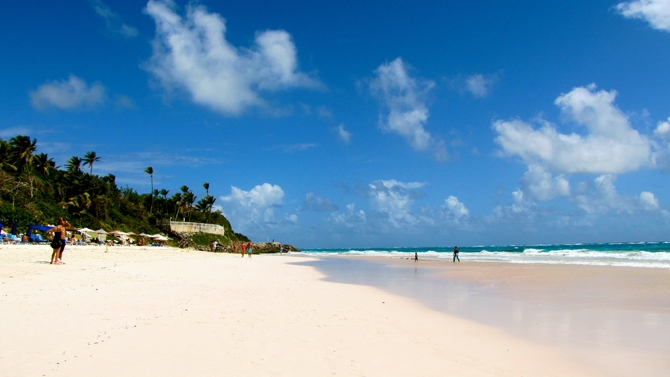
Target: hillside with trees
(33, 190)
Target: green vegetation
(33, 190)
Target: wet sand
(616, 319)
(160, 311)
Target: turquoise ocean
(624, 254)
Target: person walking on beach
(214, 246)
(456, 255)
(249, 249)
(416, 257)
(281, 249)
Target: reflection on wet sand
(617, 319)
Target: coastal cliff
(202, 241)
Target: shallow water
(618, 341)
(624, 254)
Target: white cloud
(649, 201)
(394, 199)
(610, 145)
(113, 20)
(350, 218)
(71, 94)
(455, 209)
(343, 133)
(522, 209)
(663, 131)
(253, 210)
(655, 12)
(479, 85)
(192, 53)
(542, 186)
(662, 155)
(601, 197)
(407, 112)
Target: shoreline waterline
(616, 254)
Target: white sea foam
(578, 254)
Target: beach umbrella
(85, 230)
(101, 231)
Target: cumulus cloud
(522, 209)
(662, 155)
(350, 218)
(192, 53)
(649, 201)
(455, 210)
(655, 12)
(610, 145)
(314, 202)
(71, 94)
(540, 184)
(601, 196)
(113, 20)
(404, 98)
(479, 85)
(254, 209)
(394, 199)
(662, 131)
(343, 134)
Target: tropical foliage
(34, 190)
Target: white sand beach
(168, 312)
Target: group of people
(59, 240)
(243, 248)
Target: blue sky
(358, 124)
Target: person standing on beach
(456, 255)
(59, 240)
(249, 248)
(281, 249)
(416, 257)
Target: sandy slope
(166, 312)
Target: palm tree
(6, 156)
(22, 150)
(205, 205)
(149, 170)
(177, 199)
(74, 164)
(164, 193)
(43, 164)
(188, 198)
(206, 186)
(90, 158)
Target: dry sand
(167, 312)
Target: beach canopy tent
(16, 224)
(42, 228)
(102, 235)
(86, 232)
